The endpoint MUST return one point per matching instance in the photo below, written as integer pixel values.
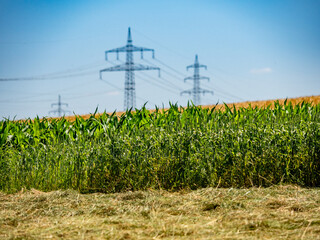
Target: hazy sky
(254, 50)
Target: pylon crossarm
(57, 104)
(120, 49)
(140, 67)
(131, 48)
(204, 66)
(205, 91)
(195, 66)
(188, 78)
(113, 69)
(121, 67)
(190, 66)
(204, 78)
(115, 50)
(186, 92)
(139, 49)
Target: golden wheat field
(263, 103)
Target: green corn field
(170, 149)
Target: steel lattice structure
(59, 110)
(129, 67)
(196, 90)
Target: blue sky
(254, 50)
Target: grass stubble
(276, 212)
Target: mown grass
(173, 149)
(277, 212)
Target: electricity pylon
(196, 90)
(129, 67)
(59, 110)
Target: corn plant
(171, 149)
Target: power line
(156, 82)
(45, 41)
(169, 82)
(16, 100)
(120, 89)
(77, 69)
(227, 95)
(216, 89)
(172, 75)
(69, 98)
(89, 95)
(160, 44)
(176, 71)
(21, 101)
(43, 78)
(184, 57)
(74, 72)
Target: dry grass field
(265, 103)
(278, 212)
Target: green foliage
(173, 149)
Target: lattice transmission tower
(129, 67)
(196, 90)
(59, 110)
